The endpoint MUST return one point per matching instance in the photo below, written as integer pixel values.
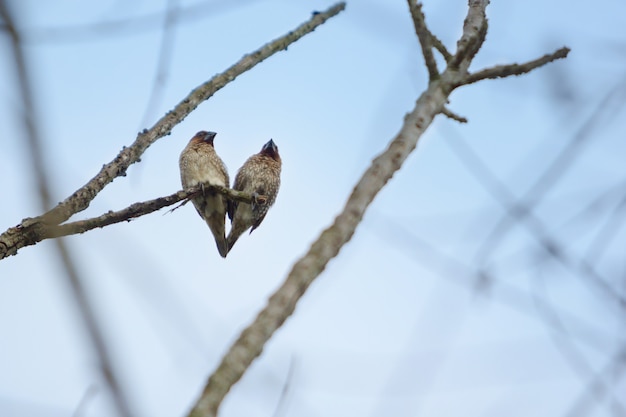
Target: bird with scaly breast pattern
(199, 163)
(259, 176)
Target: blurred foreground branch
(282, 303)
(38, 166)
(32, 230)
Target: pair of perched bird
(259, 176)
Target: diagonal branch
(15, 238)
(502, 71)
(425, 38)
(441, 47)
(283, 302)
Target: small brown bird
(200, 164)
(259, 176)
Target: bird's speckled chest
(201, 164)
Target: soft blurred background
(487, 278)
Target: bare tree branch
(29, 231)
(441, 47)
(131, 212)
(451, 115)
(425, 38)
(474, 32)
(502, 71)
(141, 209)
(282, 303)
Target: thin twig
(425, 38)
(89, 394)
(440, 47)
(164, 60)
(502, 71)
(282, 401)
(27, 233)
(451, 115)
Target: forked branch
(283, 302)
(141, 209)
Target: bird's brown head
(270, 149)
(204, 136)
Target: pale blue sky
(396, 325)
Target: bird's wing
(258, 222)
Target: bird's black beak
(208, 137)
(270, 146)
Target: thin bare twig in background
(613, 194)
(458, 272)
(37, 165)
(31, 231)
(164, 59)
(127, 26)
(90, 392)
(553, 173)
(607, 233)
(599, 387)
(282, 303)
(523, 214)
(281, 406)
(595, 390)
